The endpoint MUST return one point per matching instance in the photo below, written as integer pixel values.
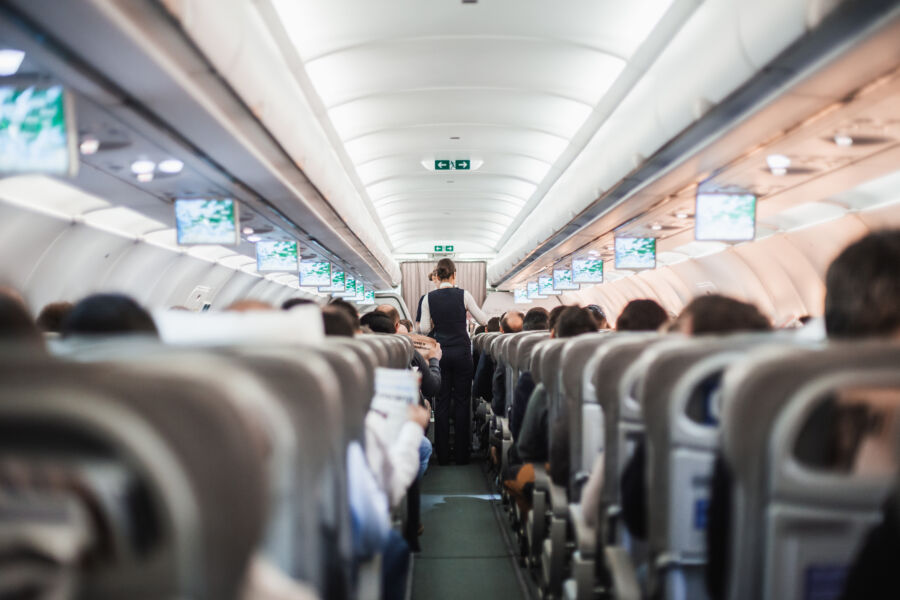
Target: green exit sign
(449, 248)
(452, 165)
(438, 248)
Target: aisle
(464, 555)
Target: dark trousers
(453, 399)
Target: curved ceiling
(506, 84)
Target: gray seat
(175, 433)
(795, 526)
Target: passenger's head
(862, 288)
(349, 311)
(13, 294)
(108, 314)
(641, 315)
(51, 316)
(16, 325)
(480, 329)
(714, 314)
(493, 324)
(554, 316)
(337, 322)
(390, 312)
(405, 324)
(574, 320)
(599, 316)
(535, 319)
(511, 322)
(377, 322)
(445, 270)
(248, 306)
(292, 302)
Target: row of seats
(797, 516)
(170, 471)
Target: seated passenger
(642, 315)
(428, 366)
(704, 315)
(406, 325)
(16, 326)
(51, 316)
(292, 302)
(108, 314)
(376, 322)
(484, 367)
(599, 316)
(510, 322)
(336, 322)
(536, 319)
(349, 311)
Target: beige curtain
(470, 276)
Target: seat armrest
(559, 501)
(622, 574)
(504, 427)
(585, 536)
(541, 478)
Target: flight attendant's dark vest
(447, 307)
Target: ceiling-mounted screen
(360, 291)
(349, 288)
(532, 291)
(562, 280)
(545, 286)
(337, 282)
(367, 298)
(276, 256)
(201, 221)
(723, 217)
(521, 296)
(635, 253)
(587, 270)
(315, 274)
(37, 131)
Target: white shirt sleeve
(425, 323)
(471, 306)
(395, 463)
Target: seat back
(520, 353)
(382, 353)
(551, 359)
(803, 431)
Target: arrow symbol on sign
(464, 164)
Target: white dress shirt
(468, 300)
(394, 462)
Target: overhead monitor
(532, 291)
(723, 217)
(635, 253)
(276, 256)
(337, 282)
(37, 131)
(521, 296)
(562, 280)
(349, 288)
(587, 270)
(545, 286)
(360, 291)
(315, 274)
(367, 298)
(203, 221)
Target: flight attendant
(444, 311)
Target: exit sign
(452, 165)
(438, 248)
(448, 248)
(443, 248)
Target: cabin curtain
(471, 276)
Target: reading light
(656, 227)
(593, 252)
(10, 61)
(145, 177)
(171, 166)
(778, 163)
(89, 145)
(247, 230)
(779, 172)
(143, 166)
(253, 238)
(681, 215)
(843, 140)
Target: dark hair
(641, 315)
(390, 312)
(16, 324)
(336, 322)
(104, 314)
(535, 319)
(574, 320)
(720, 314)
(349, 311)
(493, 324)
(408, 324)
(554, 316)
(504, 321)
(378, 322)
(862, 288)
(480, 329)
(599, 316)
(51, 317)
(445, 269)
(292, 302)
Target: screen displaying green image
(368, 298)
(725, 217)
(206, 221)
(635, 253)
(562, 280)
(349, 288)
(545, 286)
(521, 296)
(587, 270)
(315, 274)
(37, 133)
(532, 290)
(276, 256)
(337, 282)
